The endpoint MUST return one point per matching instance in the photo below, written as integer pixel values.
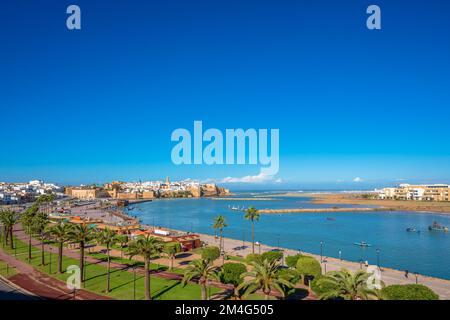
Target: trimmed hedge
(210, 253)
(291, 261)
(252, 257)
(231, 273)
(272, 256)
(409, 292)
(309, 267)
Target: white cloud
(358, 179)
(251, 179)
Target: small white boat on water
(362, 244)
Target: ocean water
(427, 253)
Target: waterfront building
(431, 192)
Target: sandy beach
(355, 198)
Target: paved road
(9, 292)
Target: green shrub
(252, 257)
(231, 273)
(291, 261)
(409, 292)
(309, 267)
(210, 253)
(272, 256)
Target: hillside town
(147, 190)
(18, 193)
(14, 193)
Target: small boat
(362, 244)
(331, 218)
(437, 227)
(412, 229)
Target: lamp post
(417, 277)
(50, 260)
(321, 251)
(340, 255)
(325, 265)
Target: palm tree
(122, 239)
(347, 285)
(253, 215)
(204, 271)
(108, 238)
(219, 223)
(147, 247)
(171, 249)
(81, 234)
(8, 219)
(60, 234)
(39, 226)
(264, 276)
(27, 222)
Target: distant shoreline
(354, 199)
(245, 199)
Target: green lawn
(236, 258)
(6, 270)
(121, 280)
(128, 262)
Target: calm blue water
(427, 253)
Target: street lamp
(417, 277)
(50, 259)
(321, 251)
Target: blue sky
(101, 103)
